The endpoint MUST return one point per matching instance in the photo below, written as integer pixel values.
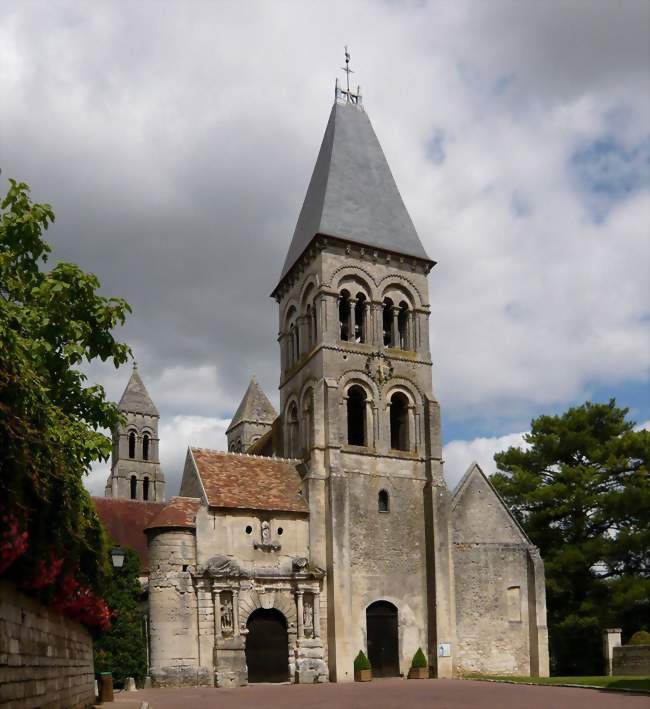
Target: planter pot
(419, 673)
(362, 675)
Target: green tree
(51, 323)
(581, 490)
(122, 650)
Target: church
(327, 527)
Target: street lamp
(117, 557)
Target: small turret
(253, 418)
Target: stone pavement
(387, 694)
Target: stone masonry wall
(631, 660)
(45, 660)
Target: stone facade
(631, 660)
(346, 537)
(45, 660)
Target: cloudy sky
(176, 140)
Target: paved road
(389, 694)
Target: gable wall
(495, 590)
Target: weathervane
(350, 96)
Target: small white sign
(444, 650)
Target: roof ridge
(248, 455)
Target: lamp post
(117, 557)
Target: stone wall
(631, 660)
(45, 660)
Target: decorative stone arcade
(229, 596)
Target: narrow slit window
(359, 318)
(383, 501)
(134, 487)
(132, 444)
(344, 315)
(145, 489)
(145, 446)
(402, 326)
(387, 322)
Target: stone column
(316, 620)
(301, 617)
(365, 334)
(395, 327)
(611, 639)
(352, 319)
(235, 612)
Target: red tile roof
(178, 512)
(250, 482)
(125, 521)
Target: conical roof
(136, 398)
(352, 193)
(254, 407)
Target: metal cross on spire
(350, 96)
(346, 68)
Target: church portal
(383, 650)
(267, 647)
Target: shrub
(361, 662)
(419, 659)
(641, 637)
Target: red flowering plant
(13, 540)
(52, 323)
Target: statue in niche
(308, 614)
(266, 532)
(226, 614)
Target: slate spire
(136, 398)
(255, 407)
(352, 193)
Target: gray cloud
(176, 140)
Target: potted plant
(419, 668)
(362, 668)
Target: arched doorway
(267, 646)
(383, 646)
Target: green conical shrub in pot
(419, 668)
(362, 668)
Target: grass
(604, 682)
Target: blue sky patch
(607, 171)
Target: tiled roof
(178, 512)
(125, 521)
(255, 407)
(249, 482)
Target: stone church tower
(135, 463)
(357, 401)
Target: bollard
(130, 685)
(105, 687)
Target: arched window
(291, 349)
(344, 315)
(356, 416)
(387, 323)
(145, 488)
(145, 446)
(293, 430)
(402, 326)
(399, 429)
(383, 501)
(360, 318)
(134, 487)
(132, 444)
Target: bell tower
(135, 463)
(357, 404)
